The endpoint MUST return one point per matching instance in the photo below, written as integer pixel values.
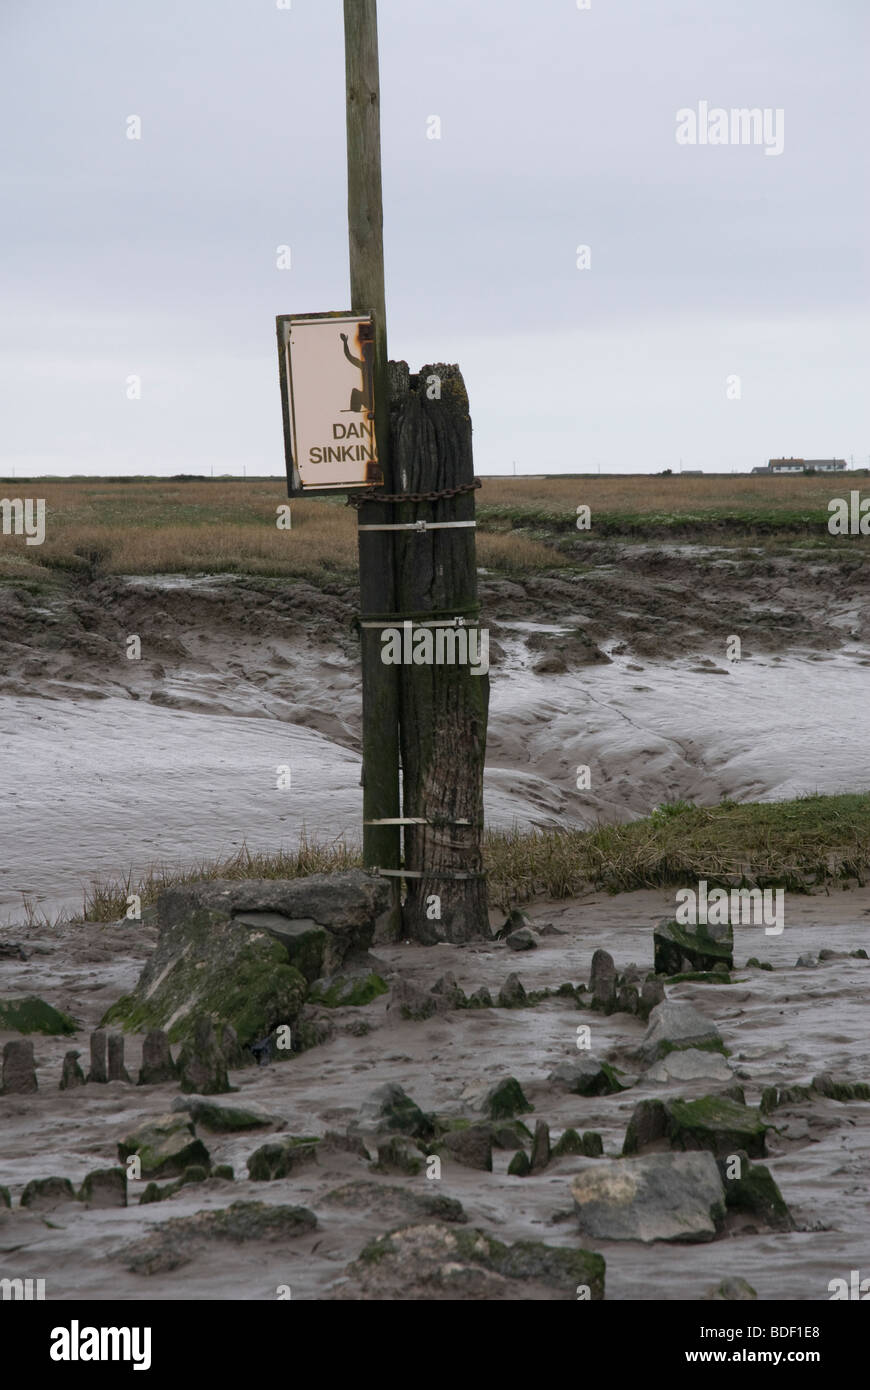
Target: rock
(509, 1134)
(652, 994)
(42, 1194)
(627, 1000)
(505, 1100)
(522, 940)
(32, 1015)
(393, 1203)
(690, 1064)
(399, 1154)
(227, 949)
(412, 1001)
(768, 1100)
(281, 1158)
(754, 1194)
(602, 982)
(540, 1147)
(220, 1118)
(446, 985)
(511, 995)
(834, 1089)
(671, 1197)
(519, 1166)
(481, 999)
(234, 1054)
(5, 1199)
(99, 1071)
(176, 1242)
(201, 1065)
(12, 950)
(72, 1074)
(587, 1077)
(515, 921)
(157, 1064)
(334, 1142)
(437, 1262)
(715, 1123)
(731, 1290)
(590, 1145)
(19, 1070)
(673, 1025)
(348, 990)
(117, 1070)
(860, 954)
(547, 929)
(688, 948)
(472, 1147)
(165, 1146)
(807, 961)
(104, 1187)
(389, 1110)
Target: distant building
(785, 465)
(692, 473)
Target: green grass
(813, 842)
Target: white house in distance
(785, 465)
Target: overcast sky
(158, 257)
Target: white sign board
(327, 390)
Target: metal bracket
(413, 820)
(417, 873)
(417, 526)
(398, 621)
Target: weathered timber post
(380, 683)
(444, 705)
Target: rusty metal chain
(360, 501)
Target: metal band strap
(437, 622)
(417, 526)
(417, 873)
(390, 619)
(413, 820)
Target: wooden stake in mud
(445, 685)
(380, 683)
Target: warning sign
(327, 391)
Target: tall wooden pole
(380, 682)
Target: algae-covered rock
(391, 1203)
(512, 994)
(834, 1089)
(165, 1146)
(5, 1199)
(281, 1158)
(390, 1110)
(520, 1165)
(472, 1147)
(590, 1144)
(505, 1100)
(675, 1024)
(669, 1196)
(41, 1193)
(691, 948)
(732, 1290)
(202, 1066)
(586, 1076)
(174, 1243)
(227, 950)
(222, 1118)
(399, 1154)
(715, 1123)
(347, 991)
(754, 1194)
(691, 1064)
(437, 1262)
(30, 1014)
(104, 1187)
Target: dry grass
(797, 845)
(677, 494)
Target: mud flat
(781, 1026)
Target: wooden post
(443, 706)
(380, 683)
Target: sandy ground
(783, 1027)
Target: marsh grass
(813, 842)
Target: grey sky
(157, 257)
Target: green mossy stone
(31, 1014)
(280, 1158)
(165, 1147)
(225, 1171)
(568, 1143)
(827, 1086)
(505, 1100)
(716, 1123)
(348, 992)
(520, 1166)
(5, 1199)
(41, 1191)
(756, 1194)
